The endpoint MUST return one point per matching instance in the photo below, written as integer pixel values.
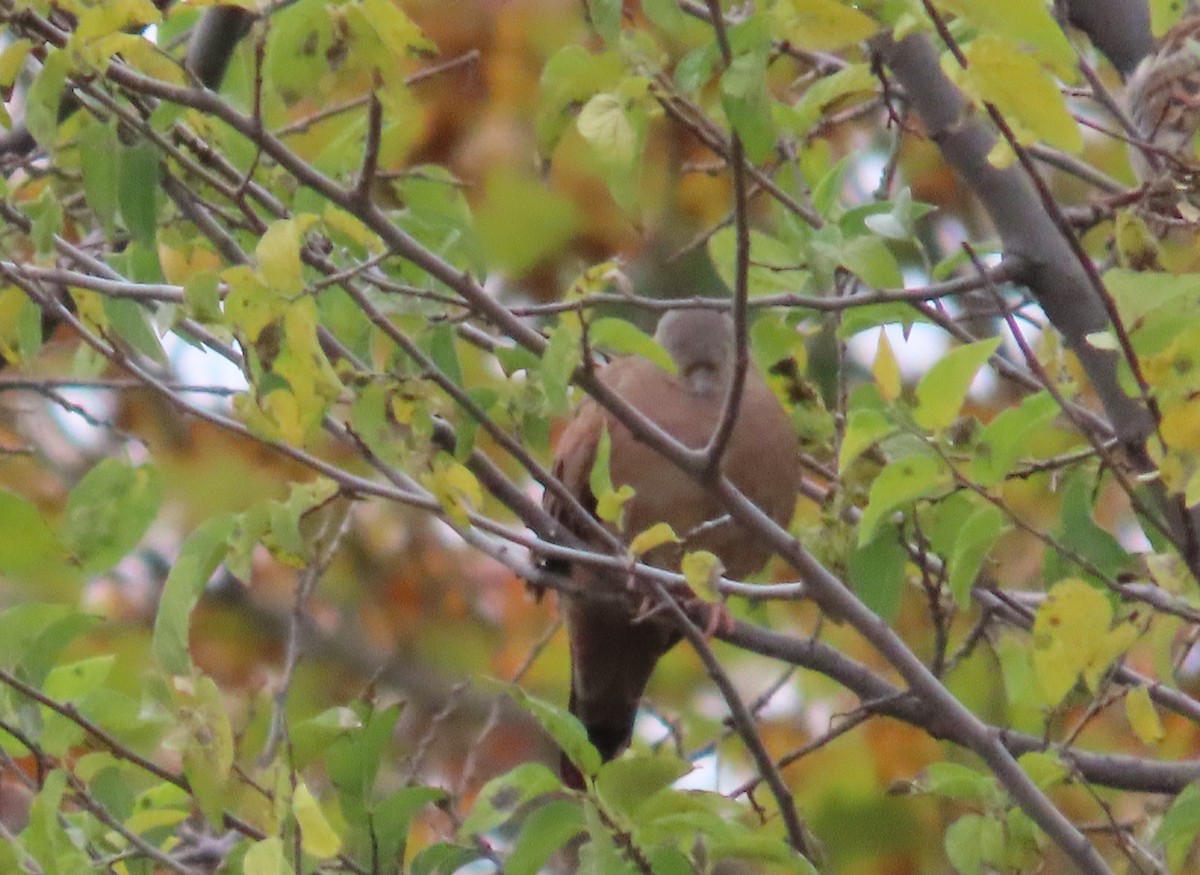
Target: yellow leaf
(701, 569)
(1022, 90)
(823, 25)
(1140, 713)
(655, 536)
(265, 858)
(278, 254)
(1027, 23)
(317, 837)
(12, 59)
(455, 488)
(610, 505)
(90, 307)
(1108, 649)
(12, 302)
(284, 410)
(886, 370)
(1072, 636)
(1180, 427)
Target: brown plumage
(612, 655)
(1163, 98)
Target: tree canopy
(296, 296)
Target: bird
(1163, 99)
(613, 650)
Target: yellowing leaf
(1072, 637)
(396, 30)
(610, 502)
(113, 16)
(1025, 22)
(1180, 427)
(90, 307)
(701, 569)
(886, 370)
(605, 124)
(655, 536)
(317, 837)
(266, 858)
(278, 254)
(11, 61)
(455, 488)
(941, 392)
(1019, 87)
(1140, 713)
(823, 25)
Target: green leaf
(32, 636)
(97, 145)
(44, 95)
(625, 338)
(624, 784)
(130, 321)
(973, 841)
(355, 759)
(899, 484)
(1182, 820)
(544, 832)
(696, 67)
(109, 511)
(864, 429)
(606, 18)
(1045, 767)
(506, 794)
(774, 265)
(877, 572)
(198, 559)
(391, 818)
(954, 781)
(1005, 439)
(1079, 532)
(442, 339)
(562, 355)
(571, 76)
(47, 215)
(312, 737)
(565, 729)
(941, 392)
(138, 186)
(870, 259)
(37, 544)
(747, 104)
(443, 858)
(521, 222)
(975, 538)
(45, 838)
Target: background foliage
(284, 359)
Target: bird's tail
(611, 662)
